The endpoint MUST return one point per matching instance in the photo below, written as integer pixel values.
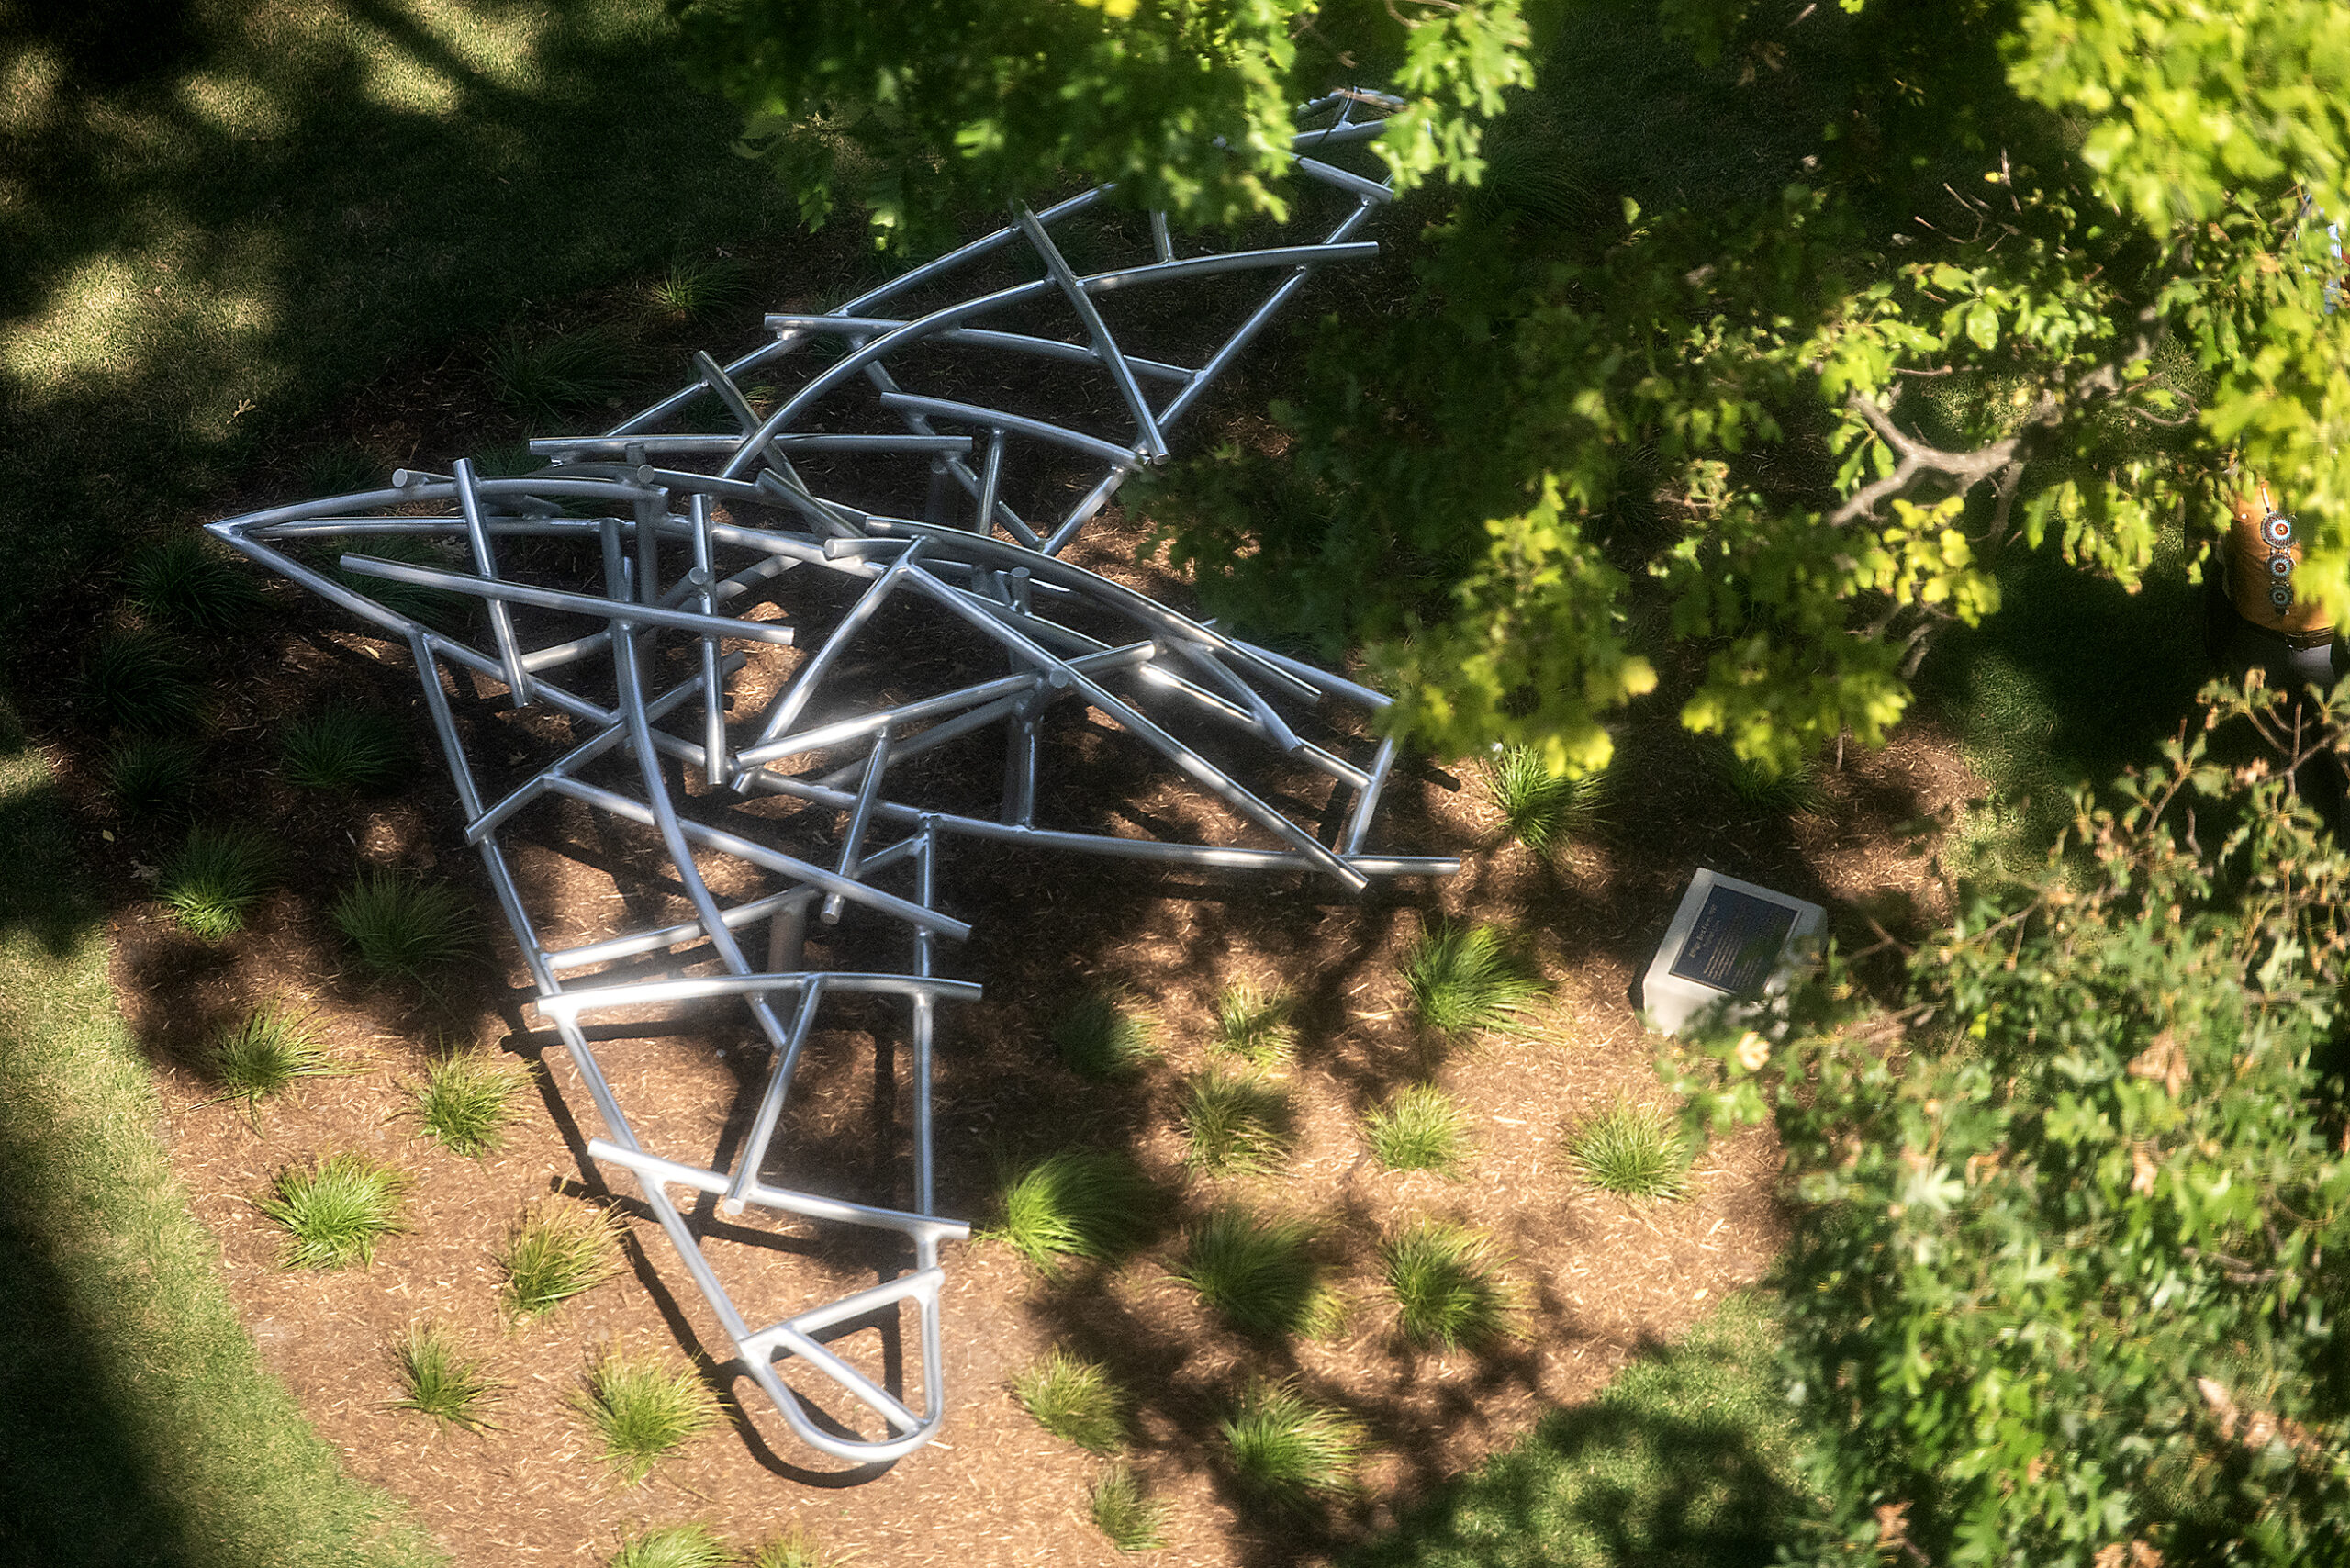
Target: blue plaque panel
(1735, 943)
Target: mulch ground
(1597, 1279)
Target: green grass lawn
(1688, 1459)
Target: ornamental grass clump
(152, 776)
(466, 1100)
(1289, 1450)
(407, 928)
(674, 1546)
(1074, 1398)
(190, 584)
(556, 1251)
(344, 748)
(1253, 1023)
(1442, 1278)
(217, 878)
(1258, 1272)
(335, 1210)
(1420, 1129)
(1235, 1124)
(1123, 1509)
(1634, 1152)
(1105, 1036)
(138, 681)
(439, 1380)
(643, 1408)
(1077, 1203)
(263, 1055)
(1463, 979)
(1542, 810)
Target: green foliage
(1420, 1129)
(1542, 807)
(216, 878)
(1253, 1024)
(405, 927)
(467, 1099)
(1632, 1150)
(1464, 978)
(557, 1251)
(334, 1210)
(439, 1380)
(674, 1546)
(140, 681)
(546, 381)
(1290, 1452)
(1079, 1203)
(1442, 1278)
(1789, 789)
(642, 1407)
(2068, 1286)
(264, 1054)
(1123, 1510)
(1236, 1123)
(190, 584)
(1258, 1273)
(341, 468)
(1073, 1398)
(1104, 1036)
(428, 607)
(1188, 107)
(152, 775)
(692, 289)
(342, 747)
(794, 1549)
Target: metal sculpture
(672, 566)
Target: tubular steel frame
(684, 554)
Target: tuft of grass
(191, 584)
(140, 681)
(1074, 1398)
(1420, 1129)
(1542, 810)
(793, 1548)
(404, 927)
(1254, 1024)
(674, 1546)
(335, 1210)
(263, 1055)
(642, 1407)
(345, 748)
(466, 1100)
(1289, 1450)
(691, 288)
(438, 1379)
(1077, 1203)
(1259, 1274)
(1106, 1037)
(152, 775)
(1634, 1152)
(1125, 1510)
(1792, 791)
(544, 382)
(1442, 1279)
(1237, 1124)
(217, 878)
(341, 469)
(557, 1251)
(1464, 978)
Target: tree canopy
(1754, 333)
(2067, 1285)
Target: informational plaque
(1727, 939)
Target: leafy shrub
(138, 681)
(217, 878)
(1073, 1398)
(557, 1251)
(343, 747)
(466, 1100)
(1079, 1203)
(1104, 1036)
(1254, 1024)
(1125, 1512)
(335, 1210)
(1419, 1129)
(1463, 979)
(1543, 810)
(438, 1379)
(1237, 1124)
(642, 1407)
(152, 775)
(191, 584)
(1259, 1274)
(1289, 1450)
(1633, 1151)
(1442, 1279)
(405, 927)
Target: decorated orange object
(2264, 553)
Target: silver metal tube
(860, 818)
(501, 620)
(808, 1205)
(576, 603)
(754, 1152)
(789, 703)
(1147, 439)
(996, 419)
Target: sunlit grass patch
(557, 1250)
(467, 1099)
(1289, 1451)
(643, 1408)
(1258, 1272)
(1464, 978)
(1105, 1034)
(795, 1548)
(1442, 1277)
(1542, 810)
(1123, 1509)
(217, 878)
(1236, 1123)
(335, 1211)
(674, 1546)
(1074, 1399)
(1254, 1023)
(1420, 1129)
(1634, 1152)
(1077, 1203)
(439, 1380)
(264, 1054)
